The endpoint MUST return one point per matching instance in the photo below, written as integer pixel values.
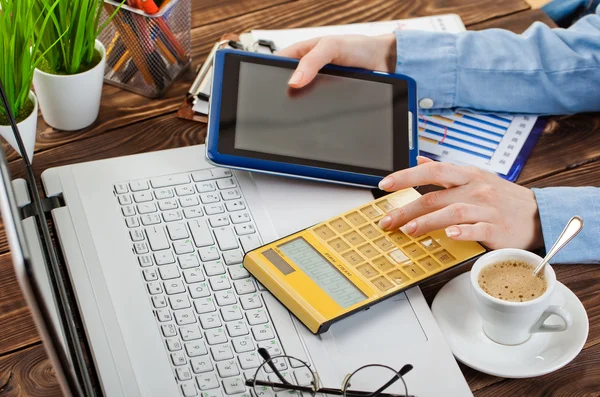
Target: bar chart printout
(486, 141)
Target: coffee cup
(512, 323)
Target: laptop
(143, 281)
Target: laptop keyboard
(190, 232)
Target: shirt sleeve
(542, 71)
(556, 206)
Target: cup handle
(539, 326)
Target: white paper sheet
(440, 23)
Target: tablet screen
(342, 120)
(336, 119)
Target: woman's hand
(373, 53)
(476, 205)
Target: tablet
(349, 125)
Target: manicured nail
(452, 231)
(386, 183)
(409, 228)
(296, 77)
(385, 222)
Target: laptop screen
(37, 269)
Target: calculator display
(322, 272)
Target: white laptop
(153, 246)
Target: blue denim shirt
(542, 71)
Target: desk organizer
(146, 53)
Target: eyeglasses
(288, 376)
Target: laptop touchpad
(387, 333)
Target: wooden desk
(130, 124)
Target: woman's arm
(542, 71)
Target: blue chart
(488, 141)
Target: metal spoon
(573, 227)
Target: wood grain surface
(120, 108)
(27, 373)
(130, 124)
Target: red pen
(149, 6)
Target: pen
(128, 38)
(205, 67)
(149, 6)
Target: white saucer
(543, 353)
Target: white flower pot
(27, 129)
(71, 102)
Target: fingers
(429, 173)
(425, 204)
(448, 216)
(324, 52)
(481, 231)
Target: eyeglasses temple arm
(323, 390)
(403, 371)
(288, 386)
(267, 357)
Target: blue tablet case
(280, 168)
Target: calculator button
(368, 250)
(324, 232)
(354, 238)
(384, 244)
(370, 231)
(429, 264)
(399, 238)
(445, 257)
(356, 219)
(413, 250)
(339, 245)
(413, 270)
(353, 258)
(398, 256)
(370, 212)
(429, 243)
(385, 205)
(383, 264)
(339, 225)
(382, 283)
(367, 270)
(398, 277)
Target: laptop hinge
(48, 204)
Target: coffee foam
(512, 281)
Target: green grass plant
(20, 53)
(75, 25)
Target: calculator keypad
(385, 259)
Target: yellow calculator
(346, 264)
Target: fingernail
(386, 183)
(385, 222)
(452, 231)
(296, 77)
(424, 158)
(409, 228)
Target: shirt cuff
(430, 59)
(556, 206)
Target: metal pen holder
(146, 53)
